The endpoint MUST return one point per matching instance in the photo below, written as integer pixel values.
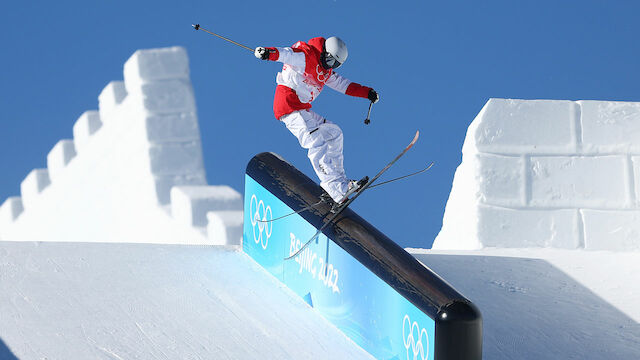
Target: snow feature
(153, 301)
(548, 303)
(542, 228)
(133, 171)
(547, 174)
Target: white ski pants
(323, 139)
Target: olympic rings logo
(322, 76)
(415, 339)
(260, 214)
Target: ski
(308, 207)
(404, 176)
(355, 195)
(324, 200)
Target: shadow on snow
(5, 353)
(532, 310)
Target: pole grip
(368, 120)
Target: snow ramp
(548, 303)
(152, 301)
(356, 277)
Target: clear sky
(434, 64)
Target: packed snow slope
(143, 301)
(542, 229)
(548, 303)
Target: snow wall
(133, 171)
(560, 174)
(361, 281)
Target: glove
(262, 53)
(373, 96)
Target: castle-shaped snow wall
(133, 171)
(543, 173)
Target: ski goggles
(330, 61)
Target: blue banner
(343, 290)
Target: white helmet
(336, 52)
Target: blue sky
(434, 64)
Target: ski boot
(354, 186)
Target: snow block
(10, 210)
(170, 128)
(501, 180)
(154, 65)
(32, 186)
(190, 204)
(502, 227)
(579, 182)
(86, 125)
(157, 188)
(635, 163)
(611, 230)
(553, 156)
(610, 127)
(225, 227)
(59, 157)
(165, 97)
(132, 152)
(519, 126)
(176, 158)
(111, 96)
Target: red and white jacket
(303, 77)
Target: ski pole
(367, 120)
(198, 27)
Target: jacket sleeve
(346, 86)
(288, 56)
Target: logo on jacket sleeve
(321, 75)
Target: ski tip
(415, 138)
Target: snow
(113, 181)
(548, 303)
(33, 185)
(561, 174)
(191, 204)
(86, 125)
(560, 181)
(515, 126)
(146, 66)
(610, 127)
(530, 228)
(142, 301)
(11, 209)
(111, 96)
(59, 157)
(541, 230)
(227, 227)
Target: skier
(307, 68)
